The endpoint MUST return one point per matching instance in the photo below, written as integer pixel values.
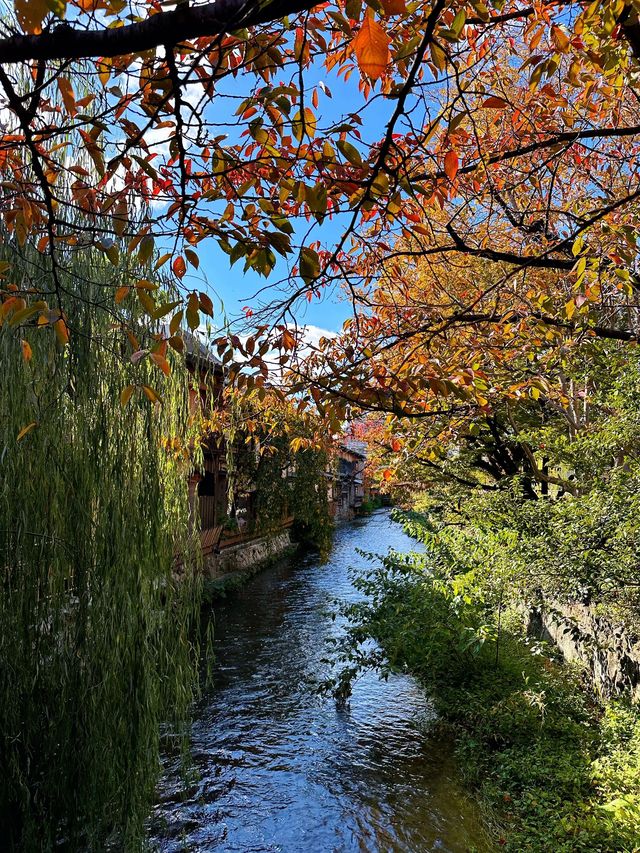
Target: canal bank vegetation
(528, 522)
(553, 767)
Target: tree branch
(180, 24)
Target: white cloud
(311, 335)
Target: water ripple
(278, 769)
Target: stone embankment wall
(247, 557)
(611, 656)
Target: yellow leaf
(146, 249)
(371, 46)
(121, 292)
(104, 71)
(25, 430)
(120, 216)
(438, 56)
(193, 315)
(162, 260)
(125, 394)
(174, 325)
(569, 308)
(151, 394)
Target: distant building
(346, 480)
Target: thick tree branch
(180, 24)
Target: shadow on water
(280, 769)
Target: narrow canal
(280, 769)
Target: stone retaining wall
(247, 557)
(610, 655)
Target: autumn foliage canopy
(465, 173)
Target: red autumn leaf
(179, 267)
(495, 103)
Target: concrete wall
(611, 656)
(247, 557)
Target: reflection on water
(278, 768)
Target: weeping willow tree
(96, 648)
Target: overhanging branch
(180, 24)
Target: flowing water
(280, 769)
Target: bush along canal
(276, 767)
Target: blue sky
(230, 287)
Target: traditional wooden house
(346, 480)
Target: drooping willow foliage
(96, 647)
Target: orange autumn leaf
(68, 96)
(161, 362)
(31, 14)
(371, 47)
(125, 394)
(25, 430)
(26, 350)
(62, 332)
(560, 39)
(151, 394)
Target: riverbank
(553, 768)
(230, 568)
